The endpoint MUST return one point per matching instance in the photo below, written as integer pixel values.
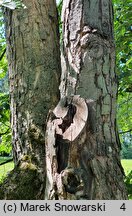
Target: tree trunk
(82, 144)
(34, 74)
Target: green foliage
(125, 112)
(126, 152)
(59, 8)
(3, 60)
(12, 4)
(127, 165)
(124, 116)
(5, 133)
(123, 29)
(128, 183)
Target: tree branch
(1, 134)
(7, 161)
(123, 132)
(2, 55)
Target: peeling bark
(87, 167)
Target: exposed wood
(67, 153)
(87, 164)
(73, 116)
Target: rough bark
(34, 74)
(88, 166)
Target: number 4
(123, 207)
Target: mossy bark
(34, 74)
(25, 182)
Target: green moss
(26, 158)
(23, 183)
(29, 166)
